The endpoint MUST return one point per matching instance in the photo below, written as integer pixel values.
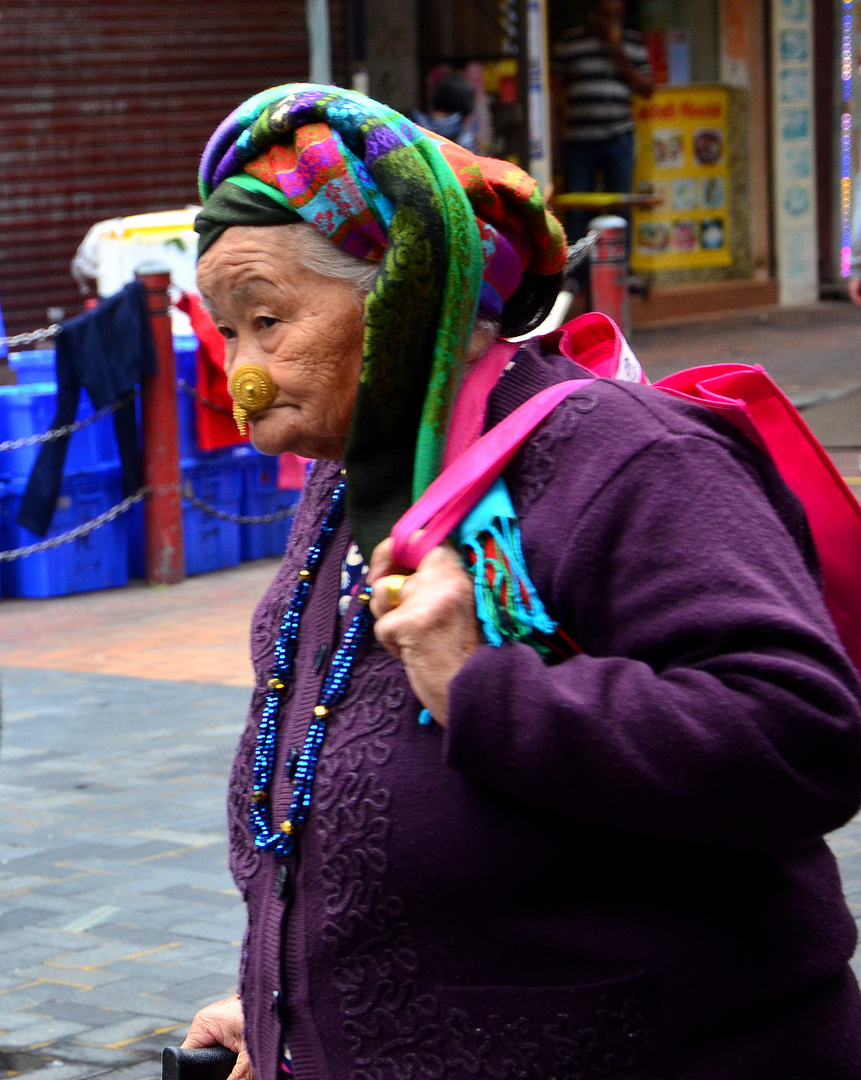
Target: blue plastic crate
(95, 561)
(261, 495)
(24, 410)
(4, 485)
(34, 366)
(209, 543)
(29, 410)
(185, 352)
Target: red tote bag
(750, 398)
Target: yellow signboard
(683, 159)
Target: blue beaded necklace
(281, 840)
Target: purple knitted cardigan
(613, 866)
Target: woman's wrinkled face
(305, 329)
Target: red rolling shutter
(105, 107)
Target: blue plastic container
(35, 366)
(96, 561)
(3, 489)
(209, 543)
(24, 410)
(29, 410)
(185, 352)
(261, 495)
(38, 366)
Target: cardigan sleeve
(713, 702)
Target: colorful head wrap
(451, 231)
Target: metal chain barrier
(195, 393)
(32, 338)
(68, 429)
(580, 251)
(234, 519)
(77, 533)
(87, 527)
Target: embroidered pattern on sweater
(617, 1041)
(539, 460)
(244, 856)
(389, 1025)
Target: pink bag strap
(460, 487)
(470, 407)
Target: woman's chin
(276, 431)
(267, 439)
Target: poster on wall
(683, 160)
(794, 151)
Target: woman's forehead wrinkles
(254, 288)
(241, 295)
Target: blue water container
(24, 411)
(209, 543)
(34, 366)
(260, 496)
(29, 410)
(95, 561)
(185, 352)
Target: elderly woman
(600, 861)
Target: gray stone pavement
(118, 917)
(803, 348)
(813, 353)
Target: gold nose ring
(252, 390)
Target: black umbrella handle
(206, 1063)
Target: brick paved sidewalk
(196, 631)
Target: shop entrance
(482, 42)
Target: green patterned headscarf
(449, 229)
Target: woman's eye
(265, 322)
(226, 332)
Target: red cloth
(215, 429)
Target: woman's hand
(221, 1024)
(432, 629)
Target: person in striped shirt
(600, 65)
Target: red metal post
(165, 560)
(608, 272)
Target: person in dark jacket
(452, 101)
(464, 859)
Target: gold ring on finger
(394, 584)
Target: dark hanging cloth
(107, 350)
